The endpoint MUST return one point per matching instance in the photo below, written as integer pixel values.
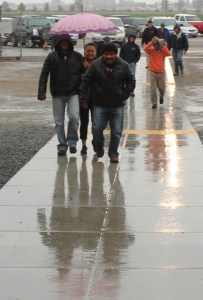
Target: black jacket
(110, 87)
(130, 52)
(148, 34)
(65, 72)
(176, 43)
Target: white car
(116, 36)
(188, 29)
(168, 21)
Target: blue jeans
(177, 58)
(101, 117)
(60, 105)
(132, 66)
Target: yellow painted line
(155, 132)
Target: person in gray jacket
(65, 67)
(111, 82)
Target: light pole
(0, 36)
(166, 8)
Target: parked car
(168, 21)
(116, 36)
(192, 19)
(135, 25)
(6, 30)
(28, 29)
(188, 29)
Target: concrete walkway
(74, 228)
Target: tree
(5, 6)
(46, 7)
(21, 7)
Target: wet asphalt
(78, 227)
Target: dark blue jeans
(177, 58)
(101, 117)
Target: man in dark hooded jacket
(130, 52)
(65, 67)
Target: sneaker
(73, 149)
(154, 105)
(84, 150)
(181, 72)
(100, 152)
(161, 100)
(61, 152)
(175, 74)
(114, 160)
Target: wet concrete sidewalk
(81, 228)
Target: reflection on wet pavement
(81, 228)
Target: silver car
(188, 29)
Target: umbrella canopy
(82, 23)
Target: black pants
(84, 121)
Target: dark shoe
(61, 152)
(154, 105)
(114, 160)
(132, 94)
(181, 72)
(73, 149)
(100, 152)
(161, 100)
(176, 74)
(84, 150)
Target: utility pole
(166, 8)
(0, 36)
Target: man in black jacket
(111, 83)
(149, 32)
(65, 68)
(178, 42)
(130, 52)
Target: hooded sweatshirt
(65, 70)
(130, 51)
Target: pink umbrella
(82, 23)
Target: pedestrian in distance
(45, 36)
(130, 52)
(178, 42)
(157, 51)
(90, 54)
(149, 32)
(163, 33)
(111, 83)
(100, 45)
(64, 65)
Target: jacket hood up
(63, 37)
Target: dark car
(135, 26)
(28, 29)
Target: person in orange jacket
(157, 51)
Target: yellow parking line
(154, 132)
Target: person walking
(178, 42)
(157, 51)
(100, 45)
(111, 82)
(90, 54)
(130, 52)
(149, 32)
(163, 33)
(65, 68)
